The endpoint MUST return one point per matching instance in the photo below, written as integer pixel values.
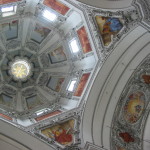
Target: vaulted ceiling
(68, 68)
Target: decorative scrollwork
(45, 60)
(32, 46)
(13, 44)
(43, 79)
(128, 126)
(29, 92)
(9, 90)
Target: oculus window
(20, 69)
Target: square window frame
(74, 79)
(69, 43)
(9, 13)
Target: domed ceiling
(43, 52)
(46, 62)
(50, 54)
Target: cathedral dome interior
(74, 74)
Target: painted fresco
(10, 29)
(57, 55)
(55, 83)
(126, 137)
(108, 28)
(146, 78)
(134, 107)
(6, 100)
(57, 6)
(61, 133)
(5, 116)
(8, 1)
(39, 33)
(48, 115)
(82, 34)
(33, 102)
(82, 84)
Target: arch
(109, 84)
(21, 138)
(108, 4)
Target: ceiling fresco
(108, 27)
(128, 126)
(50, 53)
(62, 133)
(40, 57)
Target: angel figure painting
(108, 27)
(134, 107)
(39, 33)
(57, 55)
(61, 133)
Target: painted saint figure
(109, 27)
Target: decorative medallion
(126, 137)
(20, 69)
(134, 107)
(61, 133)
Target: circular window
(20, 69)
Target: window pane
(71, 86)
(7, 9)
(74, 46)
(49, 15)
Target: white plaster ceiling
(108, 4)
(35, 49)
(112, 67)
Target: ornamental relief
(9, 90)
(108, 27)
(60, 133)
(107, 30)
(32, 46)
(143, 6)
(13, 44)
(133, 108)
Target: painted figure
(126, 137)
(109, 27)
(62, 136)
(112, 25)
(146, 78)
(61, 133)
(57, 55)
(134, 107)
(39, 33)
